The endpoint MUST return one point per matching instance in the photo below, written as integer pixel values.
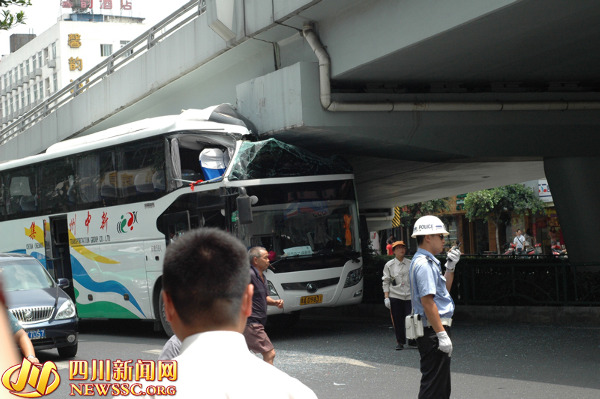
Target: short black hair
(206, 272)
(420, 239)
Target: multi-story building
(61, 54)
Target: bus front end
(310, 230)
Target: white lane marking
(339, 360)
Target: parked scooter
(535, 250)
(558, 251)
(510, 250)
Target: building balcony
(51, 63)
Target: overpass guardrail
(112, 63)
(508, 281)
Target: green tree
(496, 204)
(9, 18)
(416, 210)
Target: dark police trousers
(435, 367)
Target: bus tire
(166, 326)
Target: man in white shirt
(207, 299)
(519, 242)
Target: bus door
(176, 224)
(58, 258)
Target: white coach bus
(101, 209)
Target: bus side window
(190, 167)
(56, 186)
(158, 181)
(22, 192)
(2, 198)
(108, 177)
(138, 163)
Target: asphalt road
(354, 357)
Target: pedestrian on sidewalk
(430, 290)
(396, 290)
(388, 247)
(519, 242)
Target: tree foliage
(415, 211)
(497, 204)
(8, 19)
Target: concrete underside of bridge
(510, 51)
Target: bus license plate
(37, 334)
(311, 299)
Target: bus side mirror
(244, 207)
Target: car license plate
(40, 333)
(311, 299)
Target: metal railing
(529, 281)
(509, 281)
(112, 63)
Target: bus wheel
(163, 317)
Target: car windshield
(24, 274)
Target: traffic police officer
(431, 299)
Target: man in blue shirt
(431, 299)
(256, 337)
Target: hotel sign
(104, 4)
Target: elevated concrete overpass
(426, 99)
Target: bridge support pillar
(576, 193)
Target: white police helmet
(428, 225)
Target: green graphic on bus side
(104, 309)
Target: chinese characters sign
(74, 40)
(104, 4)
(75, 64)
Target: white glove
(452, 259)
(445, 342)
(386, 302)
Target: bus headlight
(272, 290)
(353, 277)
(66, 310)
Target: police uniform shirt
(426, 279)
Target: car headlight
(353, 277)
(272, 290)
(66, 310)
